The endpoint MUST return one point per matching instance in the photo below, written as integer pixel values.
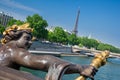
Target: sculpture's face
(24, 41)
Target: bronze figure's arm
(44, 62)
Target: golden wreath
(16, 27)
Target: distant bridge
(93, 52)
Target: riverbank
(43, 48)
(52, 47)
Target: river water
(110, 71)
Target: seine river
(110, 71)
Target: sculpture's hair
(14, 32)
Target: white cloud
(15, 9)
(14, 4)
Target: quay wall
(52, 47)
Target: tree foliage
(73, 39)
(14, 21)
(51, 37)
(103, 46)
(39, 26)
(2, 28)
(58, 35)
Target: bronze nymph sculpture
(13, 54)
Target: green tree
(60, 35)
(73, 39)
(19, 22)
(103, 46)
(51, 37)
(11, 22)
(85, 41)
(92, 43)
(2, 29)
(14, 21)
(89, 43)
(39, 26)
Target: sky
(99, 19)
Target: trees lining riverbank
(59, 35)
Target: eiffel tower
(75, 31)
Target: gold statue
(98, 61)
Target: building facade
(4, 18)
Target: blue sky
(98, 18)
